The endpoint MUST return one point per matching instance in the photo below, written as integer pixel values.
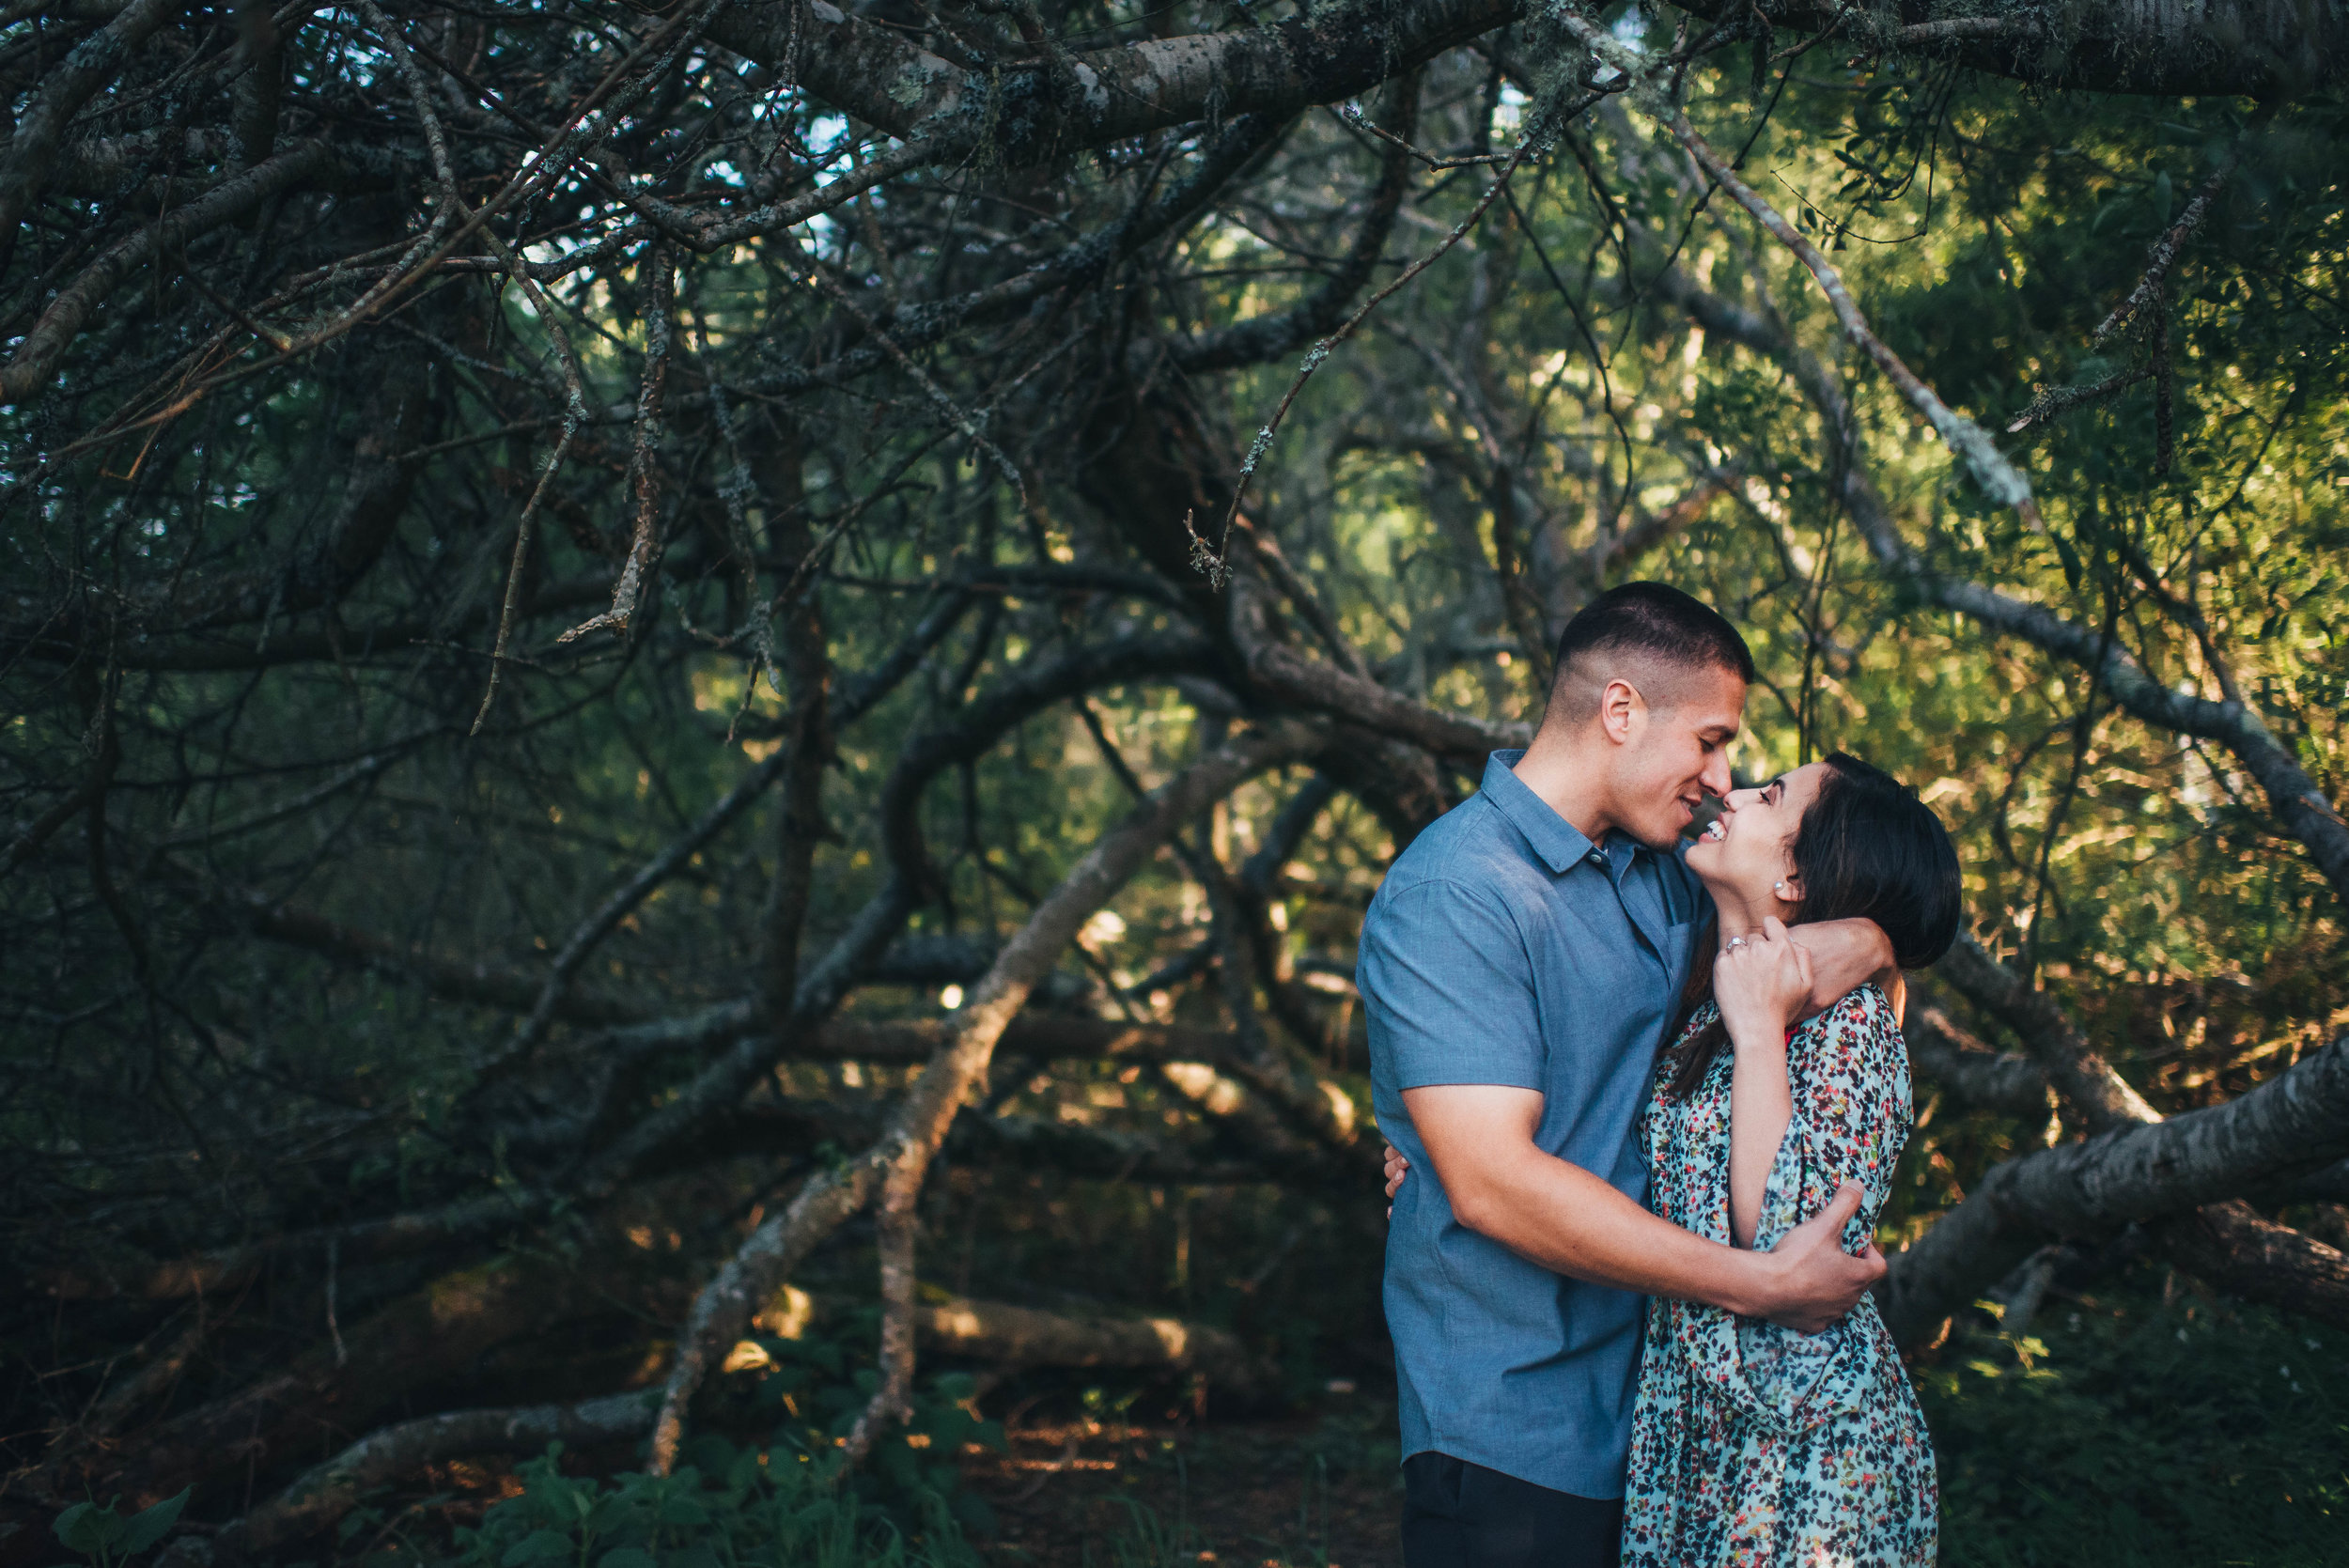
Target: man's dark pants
(1456, 1514)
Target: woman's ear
(1788, 889)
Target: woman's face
(1745, 850)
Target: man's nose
(1717, 781)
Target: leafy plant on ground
(106, 1537)
(729, 1509)
(910, 1471)
(2141, 1435)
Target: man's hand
(1396, 1168)
(1563, 1218)
(1815, 1280)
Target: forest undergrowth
(2150, 1425)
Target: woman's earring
(1781, 887)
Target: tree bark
(322, 1495)
(2293, 1123)
(922, 1118)
(2234, 1248)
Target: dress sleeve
(1848, 1072)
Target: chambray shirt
(1504, 948)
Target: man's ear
(1621, 708)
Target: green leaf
(683, 1511)
(91, 1530)
(150, 1525)
(539, 1546)
(627, 1557)
(73, 1530)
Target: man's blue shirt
(1504, 948)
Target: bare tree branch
(928, 1109)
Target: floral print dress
(1751, 1444)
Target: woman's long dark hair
(1867, 847)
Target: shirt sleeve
(1448, 990)
(1851, 1116)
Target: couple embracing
(1645, 1100)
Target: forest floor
(2136, 1428)
(1311, 1492)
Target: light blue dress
(1751, 1444)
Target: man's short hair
(1659, 621)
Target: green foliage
(912, 1471)
(106, 1538)
(2141, 1436)
(1146, 1538)
(727, 1509)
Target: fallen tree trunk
(1018, 1336)
(928, 1108)
(980, 1330)
(323, 1496)
(1082, 1151)
(2233, 1247)
(2289, 1126)
(1984, 1078)
(435, 1333)
(1023, 1336)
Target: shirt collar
(1558, 842)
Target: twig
(1351, 115)
(644, 458)
(2054, 400)
(952, 411)
(1214, 563)
(575, 404)
(2164, 252)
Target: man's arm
(1845, 955)
(1481, 1138)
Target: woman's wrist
(1749, 1035)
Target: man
(1519, 967)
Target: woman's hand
(1397, 1167)
(1761, 983)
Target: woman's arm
(1759, 985)
(1760, 1106)
(1848, 1119)
(1499, 1184)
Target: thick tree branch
(928, 1109)
(326, 1494)
(2100, 1097)
(2265, 49)
(2292, 1124)
(2007, 1082)
(1022, 115)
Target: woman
(1751, 1444)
